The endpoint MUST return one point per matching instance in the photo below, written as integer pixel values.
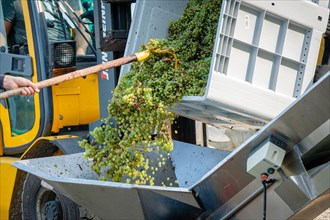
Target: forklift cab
(56, 42)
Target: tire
(40, 203)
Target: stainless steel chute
(214, 184)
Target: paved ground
(324, 216)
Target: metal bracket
(15, 64)
(115, 40)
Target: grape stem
(140, 56)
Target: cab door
(22, 119)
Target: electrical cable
(264, 213)
(264, 181)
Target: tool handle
(74, 75)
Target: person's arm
(82, 45)
(9, 14)
(8, 25)
(11, 82)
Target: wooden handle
(74, 75)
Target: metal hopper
(71, 175)
(213, 184)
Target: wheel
(40, 203)
(53, 210)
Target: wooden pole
(76, 74)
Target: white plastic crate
(264, 57)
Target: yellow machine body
(73, 104)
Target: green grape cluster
(139, 121)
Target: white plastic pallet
(264, 58)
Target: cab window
(69, 20)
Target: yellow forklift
(53, 121)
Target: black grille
(63, 54)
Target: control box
(266, 158)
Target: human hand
(28, 88)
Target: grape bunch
(139, 118)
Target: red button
(264, 176)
